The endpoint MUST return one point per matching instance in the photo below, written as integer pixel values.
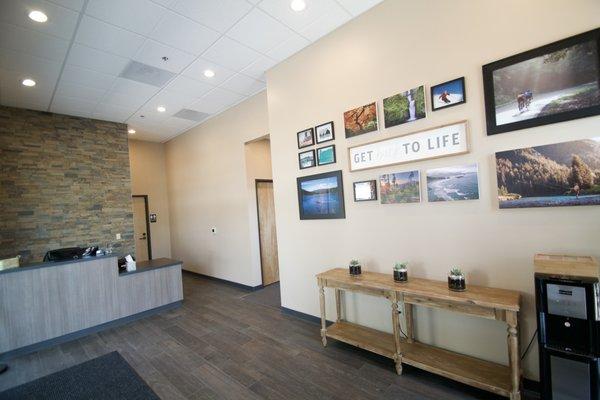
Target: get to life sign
(442, 141)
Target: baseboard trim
(84, 332)
(225, 281)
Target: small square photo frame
(365, 190)
(306, 159)
(306, 138)
(448, 94)
(324, 132)
(326, 155)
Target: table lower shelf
(459, 367)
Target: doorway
(141, 228)
(267, 231)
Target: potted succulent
(456, 280)
(401, 272)
(354, 267)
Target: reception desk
(49, 303)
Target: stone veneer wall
(64, 182)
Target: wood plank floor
(220, 346)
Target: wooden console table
(498, 304)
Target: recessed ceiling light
(28, 82)
(298, 5)
(209, 73)
(131, 131)
(161, 109)
(38, 16)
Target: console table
(484, 302)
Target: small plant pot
(400, 275)
(355, 269)
(457, 283)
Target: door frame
(260, 251)
(145, 197)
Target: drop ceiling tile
(165, 3)
(258, 68)
(126, 101)
(196, 71)
(326, 24)
(259, 31)
(189, 87)
(111, 112)
(75, 5)
(102, 36)
(61, 21)
(288, 48)
(29, 65)
(219, 15)
(133, 88)
(171, 100)
(281, 10)
(81, 92)
(357, 7)
(244, 85)
(34, 43)
(72, 106)
(87, 77)
(231, 54)
(183, 34)
(216, 100)
(96, 60)
(140, 16)
(152, 52)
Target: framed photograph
(453, 183)
(553, 83)
(562, 174)
(326, 155)
(401, 187)
(365, 190)
(324, 133)
(321, 196)
(305, 138)
(361, 120)
(306, 159)
(448, 94)
(404, 107)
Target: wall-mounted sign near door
(441, 141)
(152, 217)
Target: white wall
(396, 46)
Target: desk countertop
(143, 266)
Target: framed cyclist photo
(553, 83)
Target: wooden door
(267, 232)
(140, 228)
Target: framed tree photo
(553, 83)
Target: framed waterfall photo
(404, 107)
(553, 83)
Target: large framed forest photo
(553, 83)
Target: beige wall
(148, 177)
(397, 46)
(208, 187)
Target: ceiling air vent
(191, 115)
(144, 73)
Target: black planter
(400, 275)
(354, 269)
(457, 283)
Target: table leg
(408, 318)
(514, 358)
(396, 327)
(338, 305)
(323, 320)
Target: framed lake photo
(361, 120)
(400, 187)
(305, 138)
(448, 94)
(553, 83)
(453, 183)
(326, 155)
(562, 174)
(321, 196)
(306, 159)
(324, 132)
(404, 107)
(365, 190)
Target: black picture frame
(373, 183)
(312, 136)
(314, 161)
(464, 94)
(488, 85)
(317, 133)
(319, 163)
(337, 193)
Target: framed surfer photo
(553, 83)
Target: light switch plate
(118, 236)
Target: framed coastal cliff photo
(453, 183)
(321, 196)
(561, 174)
(553, 83)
